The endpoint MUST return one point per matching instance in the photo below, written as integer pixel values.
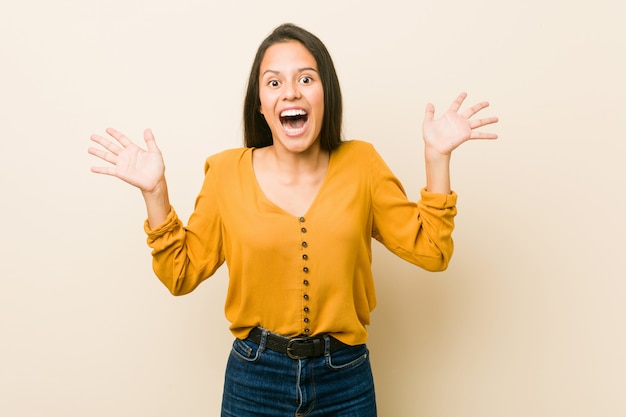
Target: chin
(298, 144)
(300, 148)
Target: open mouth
(294, 121)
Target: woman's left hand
(445, 134)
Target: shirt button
(303, 230)
(306, 296)
(307, 330)
(305, 256)
(305, 269)
(304, 244)
(306, 282)
(306, 309)
(306, 319)
(301, 219)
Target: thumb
(148, 137)
(429, 114)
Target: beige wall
(529, 320)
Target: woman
(293, 214)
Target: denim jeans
(263, 383)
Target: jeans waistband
(296, 347)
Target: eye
(273, 83)
(306, 80)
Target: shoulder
(358, 154)
(226, 159)
(351, 149)
(355, 145)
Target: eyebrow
(299, 70)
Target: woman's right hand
(143, 168)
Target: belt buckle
(290, 347)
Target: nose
(291, 91)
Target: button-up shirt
(309, 274)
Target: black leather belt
(296, 347)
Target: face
(292, 98)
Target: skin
(289, 172)
(443, 135)
(142, 168)
(289, 79)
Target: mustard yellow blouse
(301, 275)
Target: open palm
(142, 168)
(453, 128)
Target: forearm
(157, 204)
(437, 171)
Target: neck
(299, 167)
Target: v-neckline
(270, 202)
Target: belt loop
(326, 345)
(263, 342)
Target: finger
(475, 109)
(107, 144)
(104, 170)
(119, 136)
(456, 104)
(483, 122)
(429, 114)
(106, 156)
(148, 137)
(483, 135)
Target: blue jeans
(265, 383)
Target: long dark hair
(256, 132)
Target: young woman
(292, 214)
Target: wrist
(156, 192)
(432, 155)
(437, 171)
(157, 203)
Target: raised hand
(142, 168)
(445, 134)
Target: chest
(270, 220)
(294, 198)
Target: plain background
(529, 319)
